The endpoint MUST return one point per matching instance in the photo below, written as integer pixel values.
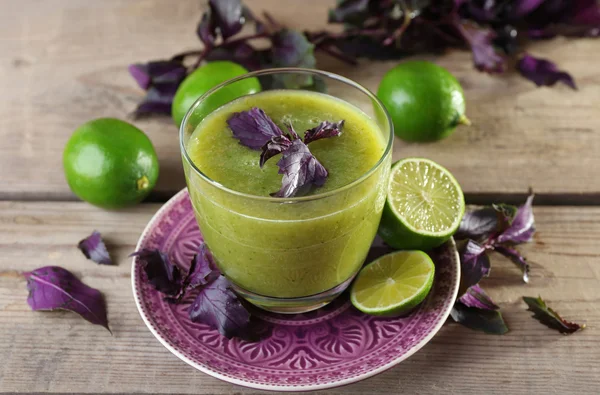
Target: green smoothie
(288, 247)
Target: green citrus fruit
(424, 205)
(425, 101)
(110, 163)
(393, 284)
(206, 77)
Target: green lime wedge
(424, 205)
(393, 284)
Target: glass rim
(281, 70)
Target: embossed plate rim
(271, 387)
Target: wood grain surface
(59, 352)
(64, 62)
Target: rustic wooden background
(63, 62)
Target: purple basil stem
(325, 129)
(516, 257)
(55, 288)
(521, 228)
(94, 249)
(543, 72)
(476, 297)
(253, 128)
(275, 146)
(488, 321)
(549, 317)
(485, 56)
(164, 276)
(475, 265)
(300, 170)
(219, 307)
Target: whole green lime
(206, 77)
(110, 163)
(425, 101)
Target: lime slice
(393, 284)
(424, 205)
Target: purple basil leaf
(475, 265)
(524, 7)
(476, 297)
(478, 224)
(55, 288)
(155, 102)
(292, 49)
(350, 11)
(167, 72)
(300, 170)
(276, 145)
(207, 30)
(93, 248)
(239, 52)
(549, 317)
(485, 56)
(543, 72)
(516, 258)
(521, 228)
(219, 307)
(489, 321)
(586, 13)
(227, 16)
(164, 276)
(324, 130)
(202, 271)
(253, 128)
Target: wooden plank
(59, 352)
(64, 63)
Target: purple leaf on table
(478, 225)
(55, 288)
(543, 72)
(485, 56)
(475, 265)
(489, 321)
(253, 128)
(325, 129)
(227, 16)
(476, 297)
(300, 170)
(206, 30)
(349, 11)
(522, 226)
(549, 317)
(93, 248)
(164, 276)
(218, 306)
(292, 49)
(160, 79)
(516, 257)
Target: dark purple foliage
(549, 317)
(224, 18)
(485, 56)
(219, 307)
(164, 276)
(543, 72)
(253, 128)
(475, 264)
(94, 249)
(325, 129)
(516, 257)
(478, 225)
(55, 288)
(300, 170)
(275, 146)
(202, 271)
(160, 79)
(489, 321)
(476, 297)
(521, 228)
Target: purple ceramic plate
(326, 348)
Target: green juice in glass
(288, 248)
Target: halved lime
(424, 205)
(393, 284)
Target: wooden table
(63, 62)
